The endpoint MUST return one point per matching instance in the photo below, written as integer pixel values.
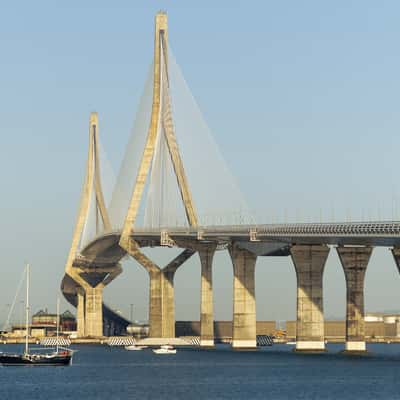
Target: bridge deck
(384, 234)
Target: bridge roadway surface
(270, 240)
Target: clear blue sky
(302, 97)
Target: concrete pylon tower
(89, 286)
(161, 314)
(161, 116)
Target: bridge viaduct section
(309, 262)
(90, 268)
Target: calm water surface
(100, 372)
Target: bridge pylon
(161, 308)
(86, 278)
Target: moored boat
(60, 356)
(134, 347)
(55, 358)
(165, 349)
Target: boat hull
(46, 360)
(135, 348)
(162, 351)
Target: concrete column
(309, 262)
(244, 301)
(396, 256)
(106, 327)
(206, 254)
(112, 328)
(354, 262)
(80, 313)
(397, 325)
(94, 312)
(162, 307)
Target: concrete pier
(309, 262)
(162, 304)
(396, 256)
(94, 312)
(206, 254)
(89, 294)
(354, 262)
(80, 313)
(244, 302)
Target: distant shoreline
(104, 340)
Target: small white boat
(291, 343)
(165, 349)
(133, 347)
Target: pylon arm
(111, 276)
(178, 261)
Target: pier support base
(162, 302)
(355, 346)
(310, 346)
(162, 307)
(206, 254)
(94, 312)
(396, 256)
(80, 313)
(309, 262)
(89, 291)
(354, 261)
(244, 304)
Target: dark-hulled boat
(60, 356)
(55, 358)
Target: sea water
(101, 372)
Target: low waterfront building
(382, 317)
(42, 317)
(45, 324)
(35, 330)
(67, 322)
(374, 317)
(336, 330)
(222, 329)
(138, 330)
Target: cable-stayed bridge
(172, 177)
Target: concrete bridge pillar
(354, 262)
(94, 311)
(162, 307)
(244, 302)
(80, 312)
(162, 303)
(113, 329)
(309, 262)
(206, 254)
(89, 294)
(396, 256)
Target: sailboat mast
(58, 321)
(27, 311)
